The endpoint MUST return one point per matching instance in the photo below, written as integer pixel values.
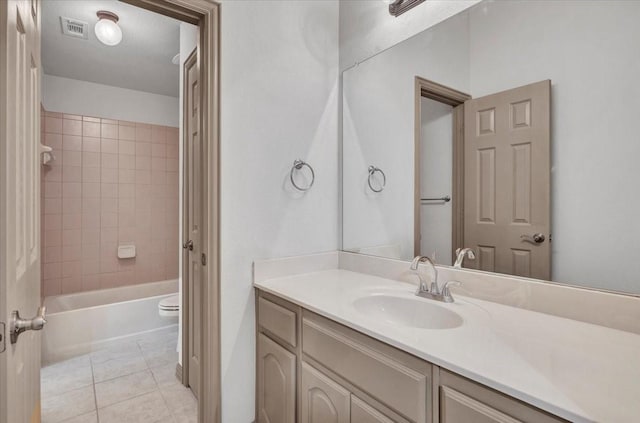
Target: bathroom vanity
(342, 346)
(335, 374)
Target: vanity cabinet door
(459, 408)
(276, 383)
(361, 412)
(464, 401)
(323, 400)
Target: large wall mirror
(507, 129)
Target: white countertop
(575, 370)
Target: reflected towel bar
(446, 199)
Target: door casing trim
(456, 99)
(205, 14)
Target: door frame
(206, 15)
(443, 94)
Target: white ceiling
(142, 61)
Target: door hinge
(3, 345)
(203, 258)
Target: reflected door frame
(442, 94)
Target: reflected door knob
(534, 239)
(188, 245)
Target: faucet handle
(465, 251)
(461, 253)
(446, 292)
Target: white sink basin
(410, 312)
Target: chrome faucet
(461, 253)
(434, 292)
(446, 293)
(434, 274)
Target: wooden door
(19, 206)
(192, 213)
(276, 383)
(323, 400)
(507, 181)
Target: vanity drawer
(392, 377)
(278, 319)
(462, 400)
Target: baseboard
(179, 372)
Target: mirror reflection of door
(507, 181)
(501, 207)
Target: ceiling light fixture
(107, 29)
(398, 7)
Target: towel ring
(297, 165)
(372, 171)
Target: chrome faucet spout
(434, 279)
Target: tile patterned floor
(131, 381)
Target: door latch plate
(3, 344)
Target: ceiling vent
(74, 28)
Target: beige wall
(113, 182)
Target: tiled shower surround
(112, 182)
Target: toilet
(169, 306)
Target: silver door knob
(188, 245)
(18, 324)
(534, 239)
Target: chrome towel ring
(372, 171)
(298, 165)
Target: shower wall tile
(53, 125)
(108, 145)
(52, 174)
(91, 144)
(51, 205)
(91, 129)
(112, 182)
(109, 131)
(91, 174)
(126, 132)
(54, 141)
(91, 159)
(71, 142)
(71, 127)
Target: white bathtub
(83, 322)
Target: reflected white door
(19, 206)
(507, 181)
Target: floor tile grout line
(95, 396)
(131, 397)
(125, 374)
